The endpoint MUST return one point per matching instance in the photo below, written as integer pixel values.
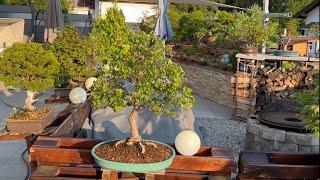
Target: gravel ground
(223, 132)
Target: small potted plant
(157, 85)
(28, 66)
(72, 53)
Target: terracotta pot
(209, 39)
(249, 50)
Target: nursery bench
(279, 165)
(69, 158)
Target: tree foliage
(28, 66)
(39, 5)
(309, 100)
(106, 33)
(192, 26)
(157, 81)
(72, 53)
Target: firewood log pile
(270, 84)
(273, 84)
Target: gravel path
(227, 133)
(217, 126)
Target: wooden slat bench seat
(279, 165)
(69, 158)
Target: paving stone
(315, 140)
(273, 134)
(298, 138)
(249, 141)
(255, 129)
(315, 149)
(280, 146)
(267, 145)
(302, 148)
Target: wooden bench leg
(149, 176)
(109, 174)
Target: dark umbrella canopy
(163, 27)
(54, 21)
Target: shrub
(175, 13)
(157, 81)
(28, 66)
(39, 5)
(192, 26)
(106, 33)
(309, 100)
(223, 27)
(72, 53)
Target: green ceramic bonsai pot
(130, 167)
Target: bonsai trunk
(29, 101)
(135, 136)
(133, 122)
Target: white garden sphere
(89, 82)
(78, 95)
(187, 143)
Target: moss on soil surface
(37, 114)
(132, 154)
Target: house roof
(306, 9)
(310, 25)
(299, 39)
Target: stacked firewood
(273, 84)
(242, 85)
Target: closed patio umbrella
(163, 26)
(54, 21)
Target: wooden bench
(279, 165)
(69, 158)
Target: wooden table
(69, 158)
(279, 165)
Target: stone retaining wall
(263, 138)
(209, 83)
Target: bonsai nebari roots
(135, 137)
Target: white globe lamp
(187, 143)
(89, 82)
(78, 95)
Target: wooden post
(108, 174)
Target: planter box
(279, 165)
(71, 157)
(30, 126)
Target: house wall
(133, 12)
(209, 83)
(301, 48)
(313, 16)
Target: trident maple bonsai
(157, 81)
(28, 66)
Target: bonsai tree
(72, 53)
(309, 100)
(28, 66)
(157, 82)
(248, 29)
(106, 32)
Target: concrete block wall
(209, 83)
(260, 137)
